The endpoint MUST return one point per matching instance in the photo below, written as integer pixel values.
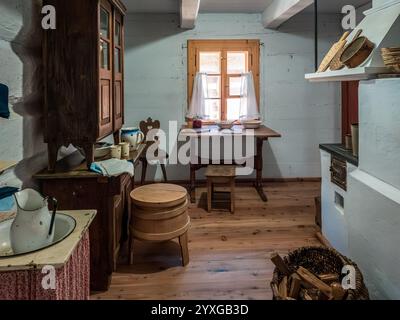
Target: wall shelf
(361, 73)
(381, 25)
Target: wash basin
(64, 226)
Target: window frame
(224, 46)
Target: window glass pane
(210, 62)
(237, 62)
(214, 87)
(213, 109)
(104, 23)
(104, 55)
(233, 109)
(118, 34)
(235, 86)
(117, 60)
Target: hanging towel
(113, 167)
(4, 111)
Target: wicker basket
(320, 260)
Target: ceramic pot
(354, 134)
(116, 152)
(197, 124)
(133, 136)
(125, 150)
(33, 226)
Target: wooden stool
(220, 174)
(160, 213)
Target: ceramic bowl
(251, 124)
(225, 125)
(102, 150)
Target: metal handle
(53, 216)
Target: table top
(74, 166)
(213, 130)
(57, 255)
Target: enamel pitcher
(33, 227)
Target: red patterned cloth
(72, 280)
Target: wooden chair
(220, 174)
(145, 127)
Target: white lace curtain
(248, 100)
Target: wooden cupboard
(83, 75)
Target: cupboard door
(118, 71)
(105, 65)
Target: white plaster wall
(380, 129)
(305, 114)
(373, 219)
(20, 54)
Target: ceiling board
(230, 6)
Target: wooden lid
(159, 195)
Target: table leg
(192, 188)
(183, 241)
(259, 169)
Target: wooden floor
(229, 254)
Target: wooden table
(261, 134)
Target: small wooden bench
(220, 174)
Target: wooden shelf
(361, 73)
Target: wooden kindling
(302, 284)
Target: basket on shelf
(321, 260)
(391, 58)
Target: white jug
(133, 136)
(33, 227)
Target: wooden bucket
(160, 212)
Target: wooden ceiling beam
(279, 11)
(189, 10)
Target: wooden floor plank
(229, 254)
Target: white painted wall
(20, 54)
(380, 130)
(305, 114)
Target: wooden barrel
(160, 212)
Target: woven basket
(320, 260)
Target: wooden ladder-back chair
(145, 127)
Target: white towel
(113, 167)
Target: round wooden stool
(160, 213)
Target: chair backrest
(146, 126)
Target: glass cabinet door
(106, 65)
(118, 63)
(105, 38)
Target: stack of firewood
(302, 284)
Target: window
(223, 62)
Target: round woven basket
(320, 260)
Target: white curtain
(248, 99)
(198, 103)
